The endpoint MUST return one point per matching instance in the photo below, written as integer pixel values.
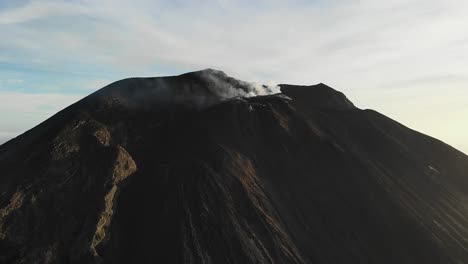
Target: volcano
(205, 168)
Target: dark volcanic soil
(161, 170)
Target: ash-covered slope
(181, 170)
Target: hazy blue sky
(407, 59)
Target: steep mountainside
(187, 169)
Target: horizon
(404, 59)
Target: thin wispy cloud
(11, 81)
(380, 53)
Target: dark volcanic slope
(164, 170)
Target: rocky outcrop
(122, 167)
(16, 201)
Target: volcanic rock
(204, 168)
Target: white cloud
(37, 10)
(306, 44)
(12, 81)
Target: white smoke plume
(199, 89)
(227, 87)
(263, 89)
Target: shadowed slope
(124, 176)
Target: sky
(406, 59)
